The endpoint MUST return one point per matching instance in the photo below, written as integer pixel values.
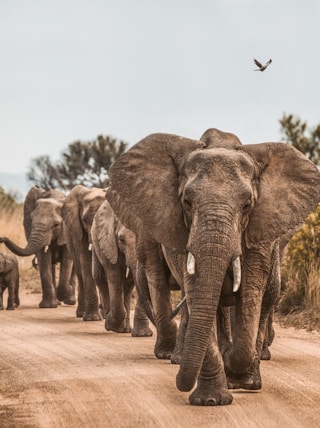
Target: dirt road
(58, 371)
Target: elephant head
(42, 221)
(79, 210)
(210, 200)
(7, 263)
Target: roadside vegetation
(300, 300)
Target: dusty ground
(58, 371)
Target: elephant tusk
(178, 307)
(90, 247)
(127, 272)
(236, 266)
(46, 248)
(191, 264)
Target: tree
(85, 163)
(295, 132)
(43, 173)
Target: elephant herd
(208, 216)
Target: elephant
(45, 236)
(218, 208)
(78, 212)
(9, 278)
(269, 331)
(114, 265)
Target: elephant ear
(144, 188)
(288, 190)
(70, 212)
(214, 138)
(33, 195)
(103, 232)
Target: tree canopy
(296, 132)
(85, 163)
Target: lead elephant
(78, 212)
(218, 208)
(9, 279)
(114, 264)
(44, 231)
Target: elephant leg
(100, 279)
(175, 261)
(140, 322)
(177, 352)
(81, 308)
(270, 299)
(143, 312)
(49, 299)
(11, 296)
(268, 339)
(16, 290)
(65, 291)
(151, 258)
(90, 290)
(224, 327)
(117, 318)
(242, 362)
(211, 389)
(54, 282)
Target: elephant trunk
(37, 240)
(211, 262)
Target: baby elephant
(9, 278)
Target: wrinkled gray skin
(218, 200)
(114, 264)
(269, 332)
(45, 238)
(78, 212)
(9, 279)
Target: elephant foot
(92, 316)
(117, 324)
(177, 352)
(66, 295)
(80, 312)
(207, 393)
(141, 328)
(48, 303)
(11, 308)
(251, 380)
(69, 300)
(141, 332)
(265, 353)
(176, 356)
(166, 341)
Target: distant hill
(15, 184)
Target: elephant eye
(247, 205)
(121, 239)
(187, 203)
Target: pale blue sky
(73, 69)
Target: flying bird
(262, 67)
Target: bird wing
(268, 62)
(257, 63)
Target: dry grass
(11, 226)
